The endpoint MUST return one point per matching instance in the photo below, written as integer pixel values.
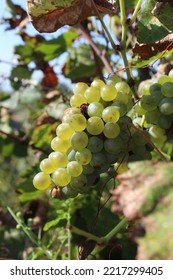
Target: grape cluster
(99, 132)
(92, 137)
(156, 108)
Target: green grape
(95, 125)
(122, 108)
(76, 121)
(77, 100)
(156, 87)
(122, 97)
(95, 109)
(147, 103)
(97, 83)
(167, 89)
(108, 92)
(122, 87)
(58, 159)
(152, 116)
(156, 132)
(95, 144)
(67, 192)
(70, 111)
(121, 168)
(92, 179)
(111, 158)
(113, 146)
(139, 121)
(129, 104)
(47, 166)
(79, 140)
(80, 88)
(113, 79)
(171, 74)
(41, 181)
(64, 131)
(88, 169)
(74, 168)
(78, 183)
(71, 154)
(60, 145)
(111, 114)
(98, 160)
(92, 94)
(138, 139)
(159, 141)
(157, 96)
(111, 130)
(166, 106)
(84, 156)
(61, 177)
(164, 79)
(164, 122)
(145, 90)
(138, 109)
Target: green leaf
(149, 28)
(80, 64)
(29, 196)
(25, 52)
(42, 136)
(53, 48)
(6, 147)
(164, 12)
(21, 72)
(55, 222)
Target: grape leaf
(146, 53)
(149, 28)
(79, 64)
(164, 11)
(48, 16)
(145, 194)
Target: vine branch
(97, 50)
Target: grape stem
(134, 16)
(123, 37)
(100, 240)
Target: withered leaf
(147, 51)
(145, 194)
(48, 16)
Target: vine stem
(100, 240)
(96, 49)
(123, 37)
(134, 16)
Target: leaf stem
(134, 16)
